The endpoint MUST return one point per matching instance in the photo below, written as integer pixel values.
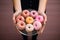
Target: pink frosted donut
(21, 25)
(19, 18)
(37, 25)
(34, 13)
(39, 18)
(25, 13)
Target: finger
(45, 16)
(42, 29)
(14, 18)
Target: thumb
(14, 16)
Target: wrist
(18, 10)
(41, 12)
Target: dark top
(30, 4)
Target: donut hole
(29, 27)
(21, 24)
(39, 18)
(29, 19)
(36, 25)
(33, 13)
(20, 19)
(25, 12)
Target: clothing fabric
(30, 4)
(34, 37)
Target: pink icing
(39, 18)
(25, 13)
(37, 25)
(34, 13)
(20, 18)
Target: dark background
(9, 32)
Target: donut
(25, 13)
(34, 13)
(29, 20)
(29, 28)
(19, 18)
(39, 18)
(37, 25)
(21, 25)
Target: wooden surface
(9, 32)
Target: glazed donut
(25, 13)
(21, 25)
(29, 28)
(19, 18)
(34, 13)
(39, 18)
(37, 25)
(29, 20)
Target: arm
(17, 5)
(42, 5)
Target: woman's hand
(14, 16)
(44, 23)
(45, 17)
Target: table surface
(9, 32)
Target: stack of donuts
(29, 20)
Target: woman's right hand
(14, 16)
